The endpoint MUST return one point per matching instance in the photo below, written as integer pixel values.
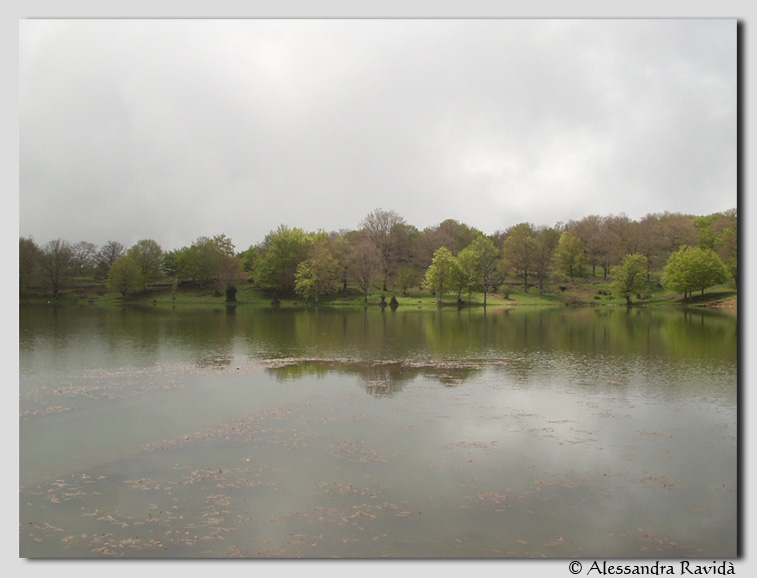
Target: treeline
(388, 254)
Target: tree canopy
(440, 273)
(125, 276)
(385, 252)
(630, 277)
(518, 250)
(317, 275)
(693, 269)
(280, 254)
(148, 255)
(569, 254)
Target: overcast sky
(176, 129)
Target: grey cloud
(176, 129)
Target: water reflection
(374, 335)
(380, 378)
(279, 433)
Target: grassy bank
(585, 292)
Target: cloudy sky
(175, 129)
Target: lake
(250, 432)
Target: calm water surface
(258, 433)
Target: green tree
(466, 274)
(318, 275)
(408, 276)
(224, 245)
(630, 277)
(125, 276)
(149, 256)
(490, 272)
(519, 251)
(278, 257)
(569, 255)
(693, 269)
(250, 257)
(172, 262)
(479, 265)
(708, 238)
(200, 261)
(719, 232)
(440, 273)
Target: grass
(583, 292)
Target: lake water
(253, 432)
